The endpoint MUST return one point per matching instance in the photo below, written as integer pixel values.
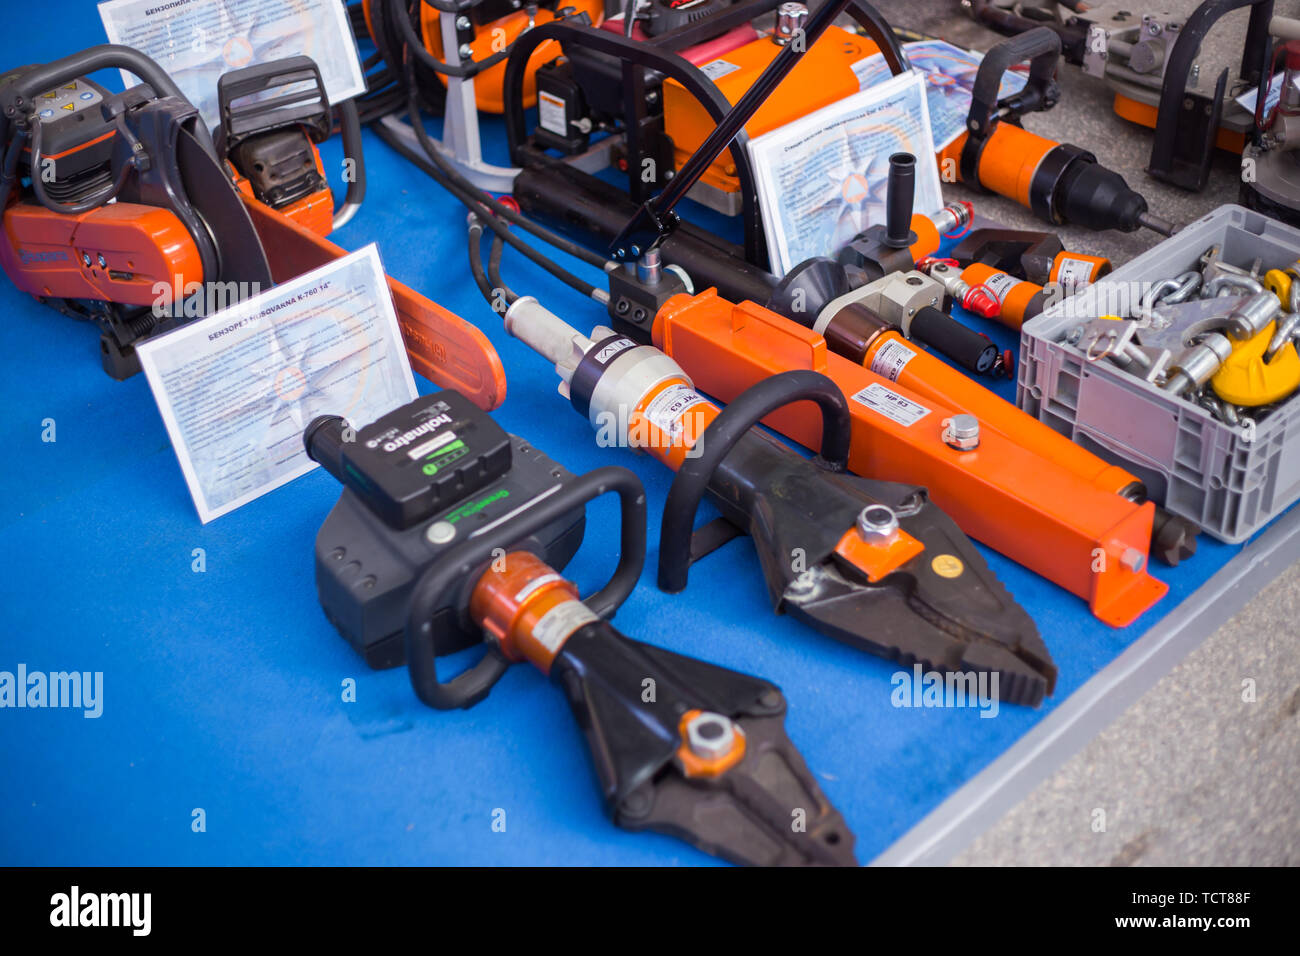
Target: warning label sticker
(717, 69)
(666, 409)
(890, 360)
(554, 627)
(551, 113)
(1000, 283)
(890, 404)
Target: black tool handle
(900, 198)
(732, 424)
(1042, 48)
(464, 563)
(946, 335)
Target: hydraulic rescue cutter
(452, 533)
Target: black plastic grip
(749, 408)
(900, 196)
(458, 566)
(1041, 47)
(946, 335)
(106, 56)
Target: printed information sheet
(822, 178)
(236, 389)
(949, 73)
(196, 41)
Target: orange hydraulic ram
(1065, 523)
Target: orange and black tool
(1006, 479)
(1060, 183)
(875, 564)
(125, 208)
(479, 33)
(455, 533)
(136, 222)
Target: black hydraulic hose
(450, 178)
(415, 44)
(350, 120)
(494, 269)
(475, 246)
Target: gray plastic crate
(1226, 479)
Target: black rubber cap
(1092, 196)
(946, 335)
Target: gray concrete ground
(1191, 774)
(1084, 117)
(1204, 770)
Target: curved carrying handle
(473, 685)
(106, 56)
(1042, 48)
(749, 408)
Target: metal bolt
(465, 51)
(103, 263)
(462, 23)
(710, 736)
(85, 259)
(440, 532)
(962, 432)
(876, 522)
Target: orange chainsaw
(122, 210)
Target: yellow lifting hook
(1249, 378)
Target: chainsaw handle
(461, 567)
(732, 424)
(106, 56)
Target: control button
(88, 95)
(46, 114)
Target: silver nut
(440, 532)
(877, 522)
(961, 432)
(710, 736)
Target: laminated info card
(237, 389)
(949, 73)
(822, 178)
(196, 41)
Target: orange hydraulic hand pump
(983, 461)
